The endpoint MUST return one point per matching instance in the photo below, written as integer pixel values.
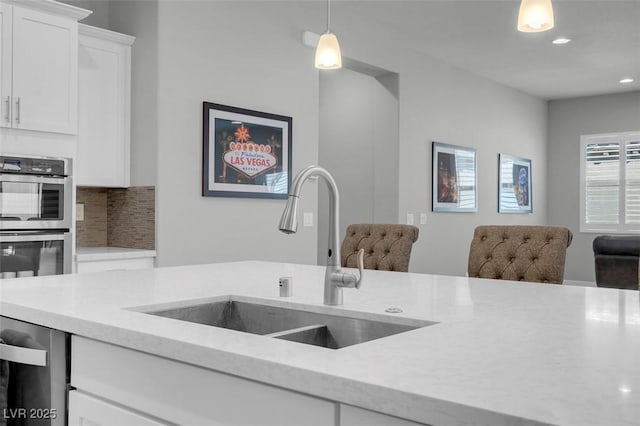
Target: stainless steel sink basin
(332, 331)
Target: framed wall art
(454, 178)
(514, 185)
(245, 153)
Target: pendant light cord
(328, 15)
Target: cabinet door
(5, 65)
(103, 106)
(85, 410)
(188, 395)
(45, 72)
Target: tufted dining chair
(519, 253)
(386, 246)
(616, 260)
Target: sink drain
(393, 310)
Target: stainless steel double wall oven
(35, 216)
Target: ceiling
(481, 36)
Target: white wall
(359, 146)
(568, 119)
(248, 55)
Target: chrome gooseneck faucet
(334, 278)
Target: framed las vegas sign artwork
(245, 153)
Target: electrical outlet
(307, 219)
(80, 212)
(409, 218)
(423, 218)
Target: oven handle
(33, 179)
(13, 238)
(21, 355)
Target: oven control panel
(33, 165)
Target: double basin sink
(287, 322)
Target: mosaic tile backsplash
(92, 231)
(117, 217)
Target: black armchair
(616, 261)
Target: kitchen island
(501, 353)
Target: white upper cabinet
(5, 64)
(39, 66)
(104, 108)
(45, 88)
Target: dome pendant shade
(328, 56)
(535, 16)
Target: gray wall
(100, 8)
(244, 54)
(568, 119)
(180, 59)
(447, 105)
(140, 19)
(438, 102)
(191, 51)
(359, 146)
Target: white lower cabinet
(114, 265)
(99, 259)
(354, 416)
(119, 386)
(136, 382)
(86, 410)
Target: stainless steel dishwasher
(34, 373)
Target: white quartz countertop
(503, 353)
(92, 254)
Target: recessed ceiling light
(561, 40)
(626, 80)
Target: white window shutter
(632, 183)
(602, 183)
(610, 179)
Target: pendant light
(535, 16)
(328, 56)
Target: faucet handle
(360, 262)
(349, 279)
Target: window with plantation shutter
(610, 179)
(632, 182)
